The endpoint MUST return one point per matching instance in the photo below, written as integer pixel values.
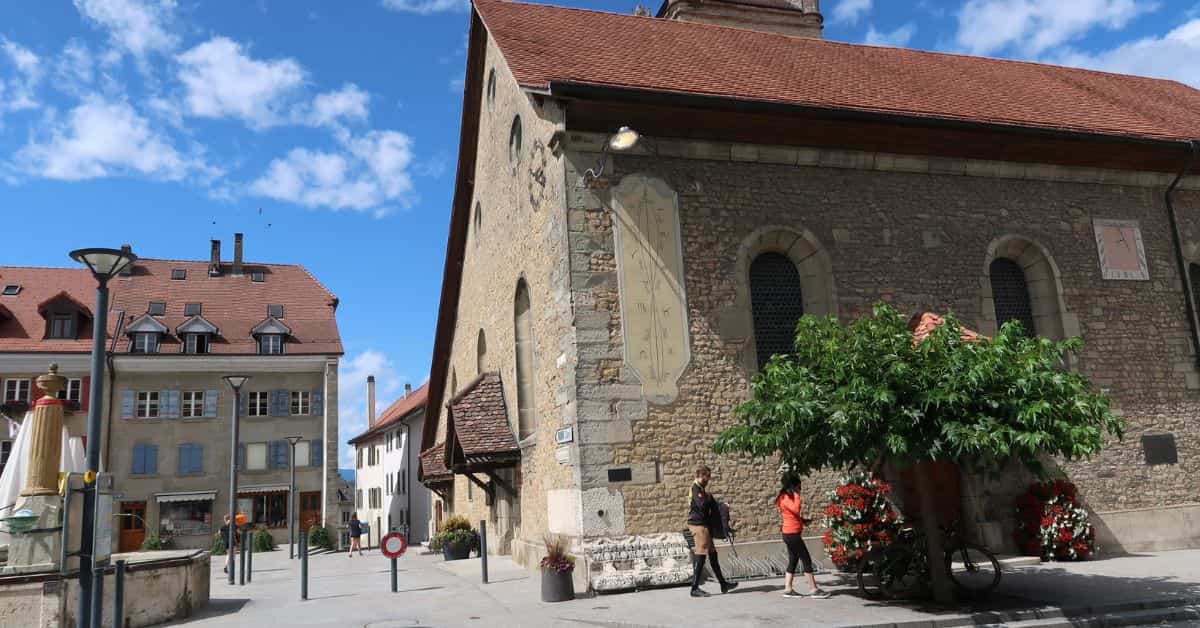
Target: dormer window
(144, 342)
(12, 290)
(197, 334)
(258, 276)
(178, 274)
(191, 309)
(270, 344)
(62, 325)
(158, 308)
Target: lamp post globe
(103, 264)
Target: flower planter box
(557, 586)
(456, 551)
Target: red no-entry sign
(393, 545)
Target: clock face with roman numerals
(1122, 254)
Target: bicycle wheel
(868, 579)
(974, 570)
(900, 571)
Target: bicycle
(902, 569)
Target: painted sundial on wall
(535, 177)
(1122, 255)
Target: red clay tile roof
(923, 323)
(399, 409)
(233, 304)
(433, 465)
(24, 331)
(544, 45)
(479, 431)
(790, 5)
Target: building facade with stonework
(176, 328)
(604, 310)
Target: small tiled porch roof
(478, 434)
(433, 465)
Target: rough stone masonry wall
(519, 232)
(911, 231)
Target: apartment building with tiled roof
(176, 327)
(624, 289)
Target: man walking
(701, 516)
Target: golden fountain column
(45, 448)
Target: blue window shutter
(198, 458)
(280, 403)
(210, 402)
(181, 466)
(151, 458)
(278, 454)
(139, 459)
(241, 456)
(315, 454)
(128, 398)
(164, 405)
(176, 404)
(245, 410)
(317, 406)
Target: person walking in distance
(355, 534)
(790, 504)
(226, 530)
(701, 516)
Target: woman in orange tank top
(790, 504)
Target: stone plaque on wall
(650, 275)
(1122, 255)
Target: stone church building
(645, 204)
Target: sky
(327, 133)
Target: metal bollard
(394, 587)
(242, 561)
(303, 566)
(118, 618)
(483, 548)
(97, 596)
(250, 561)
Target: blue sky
(328, 132)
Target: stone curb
(1143, 611)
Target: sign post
(393, 546)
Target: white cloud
(368, 174)
(1172, 56)
(135, 26)
(352, 395)
(102, 138)
(899, 37)
(222, 81)
(19, 92)
(425, 7)
(1032, 27)
(75, 67)
(849, 11)
(329, 108)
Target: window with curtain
(1010, 294)
(776, 304)
(523, 322)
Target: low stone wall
(159, 587)
(1147, 529)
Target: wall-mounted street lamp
(235, 382)
(622, 141)
(104, 264)
(292, 440)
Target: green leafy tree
(866, 394)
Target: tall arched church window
(776, 303)
(1010, 293)
(523, 324)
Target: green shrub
(456, 529)
(435, 544)
(155, 542)
(318, 536)
(263, 541)
(218, 545)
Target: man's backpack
(719, 522)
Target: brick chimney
(214, 259)
(789, 17)
(237, 255)
(370, 400)
(407, 390)
(128, 270)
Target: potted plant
(1051, 523)
(557, 567)
(457, 538)
(859, 518)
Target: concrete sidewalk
(355, 592)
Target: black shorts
(797, 552)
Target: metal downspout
(1189, 294)
(112, 380)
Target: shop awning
(262, 488)
(188, 496)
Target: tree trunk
(943, 591)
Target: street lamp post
(235, 382)
(104, 264)
(292, 440)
